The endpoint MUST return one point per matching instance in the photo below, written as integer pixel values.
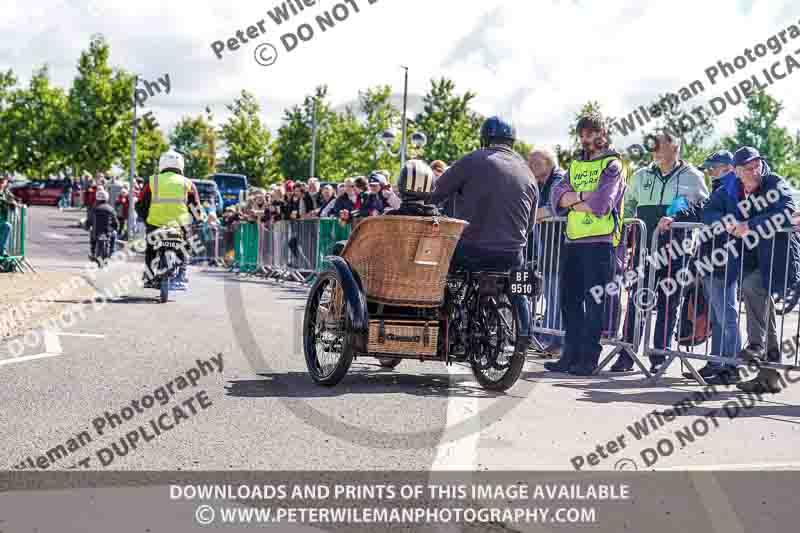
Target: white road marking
(27, 358)
(460, 454)
(56, 236)
(52, 346)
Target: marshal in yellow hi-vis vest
(584, 176)
(169, 192)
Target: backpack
(694, 326)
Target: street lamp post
(313, 137)
(405, 107)
(131, 181)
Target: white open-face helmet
(170, 159)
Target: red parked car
(40, 192)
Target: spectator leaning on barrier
(7, 202)
(372, 201)
(544, 165)
(772, 266)
(591, 197)
(327, 198)
(346, 199)
(717, 165)
(721, 293)
(663, 188)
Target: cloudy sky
(536, 60)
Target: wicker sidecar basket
(404, 260)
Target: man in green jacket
(661, 189)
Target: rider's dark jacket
(497, 195)
(103, 219)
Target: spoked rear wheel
(327, 333)
(495, 361)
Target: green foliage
(34, 119)
(150, 144)
(100, 106)
(759, 129)
(7, 162)
(247, 141)
(453, 130)
(196, 139)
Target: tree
(380, 115)
(523, 149)
(247, 141)
(338, 136)
(100, 109)
(759, 129)
(7, 82)
(451, 127)
(35, 117)
(196, 139)
(150, 144)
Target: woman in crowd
(278, 205)
(325, 200)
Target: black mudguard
(356, 300)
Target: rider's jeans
(476, 260)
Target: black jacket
(103, 219)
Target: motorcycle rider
(168, 200)
(497, 195)
(102, 221)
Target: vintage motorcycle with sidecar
(390, 295)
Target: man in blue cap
(717, 165)
(771, 266)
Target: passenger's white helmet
(101, 195)
(170, 159)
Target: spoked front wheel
(327, 333)
(495, 361)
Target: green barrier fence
(298, 246)
(246, 247)
(15, 246)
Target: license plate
(175, 245)
(230, 197)
(522, 282)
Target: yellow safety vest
(584, 176)
(169, 192)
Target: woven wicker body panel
(404, 337)
(404, 260)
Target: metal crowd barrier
(293, 250)
(692, 262)
(15, 245)
(211, 237)
(548, 241)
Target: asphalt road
(264, 413)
